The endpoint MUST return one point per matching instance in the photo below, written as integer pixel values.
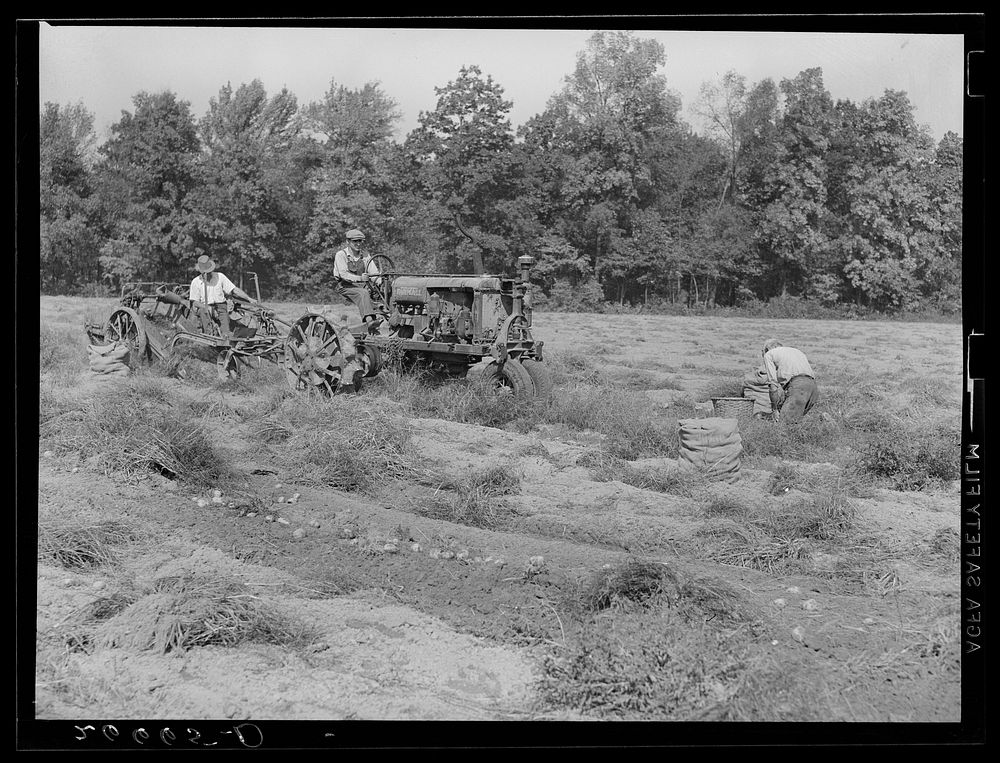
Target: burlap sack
(109, 359)
(755, 387)
(713, 446)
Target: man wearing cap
(351, 271)
(211, 288)
(790, 380)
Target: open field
(450, 556)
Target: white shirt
(342, 264)
(782, 363)
(213, 291)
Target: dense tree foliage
(354, 185)
(239, 203)
(149, 168)
(785, 193)
(70, 241)
(461, 154)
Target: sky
(103, 67)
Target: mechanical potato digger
(442, 322)
(157, 321)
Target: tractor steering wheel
(380, 283)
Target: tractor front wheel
(541, 376)
(510, 378)
(372, 360)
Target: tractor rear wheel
(314, 356)
(510, 378)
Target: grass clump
(621, 586)
(87, 618)
(60, 350)
(478, 499)
(394, 356)
(787, 689)
(80, 546)
(181, 613)
(594, 677)
(269, 401)
(644, 380)
(429, 394)
(813, 438)
(468, 402)
(215, 407)
(570, 368)
(742, 545)
(727, 505)
(55, 411)
(672, 481)
(621, 415)
(107, 607)
(773, 540)
(824, 517)
(782, 479)
(344, 444)
(725, 388)
(910, 460)
(872, 419)
(639, 642)
(946, 544)
(605, 466)
(131, 430)
(270, 430)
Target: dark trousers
(220, 311)
(800, 395)
(358, 294)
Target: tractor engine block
(454, 309)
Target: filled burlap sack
(117, 371)
(755, 388)
(712, 446)
(109, 359)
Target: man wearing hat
(351, 271)
(790, 379)
(211, 288)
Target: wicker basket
(739, 408)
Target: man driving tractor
(351, 271)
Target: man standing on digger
(211, 288)
(351, 272)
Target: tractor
(449, 322)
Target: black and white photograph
(525, 371)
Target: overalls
(219, 309)
(357, 293)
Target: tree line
(787, 192)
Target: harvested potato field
(427, 550)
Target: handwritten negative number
(248, 734)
